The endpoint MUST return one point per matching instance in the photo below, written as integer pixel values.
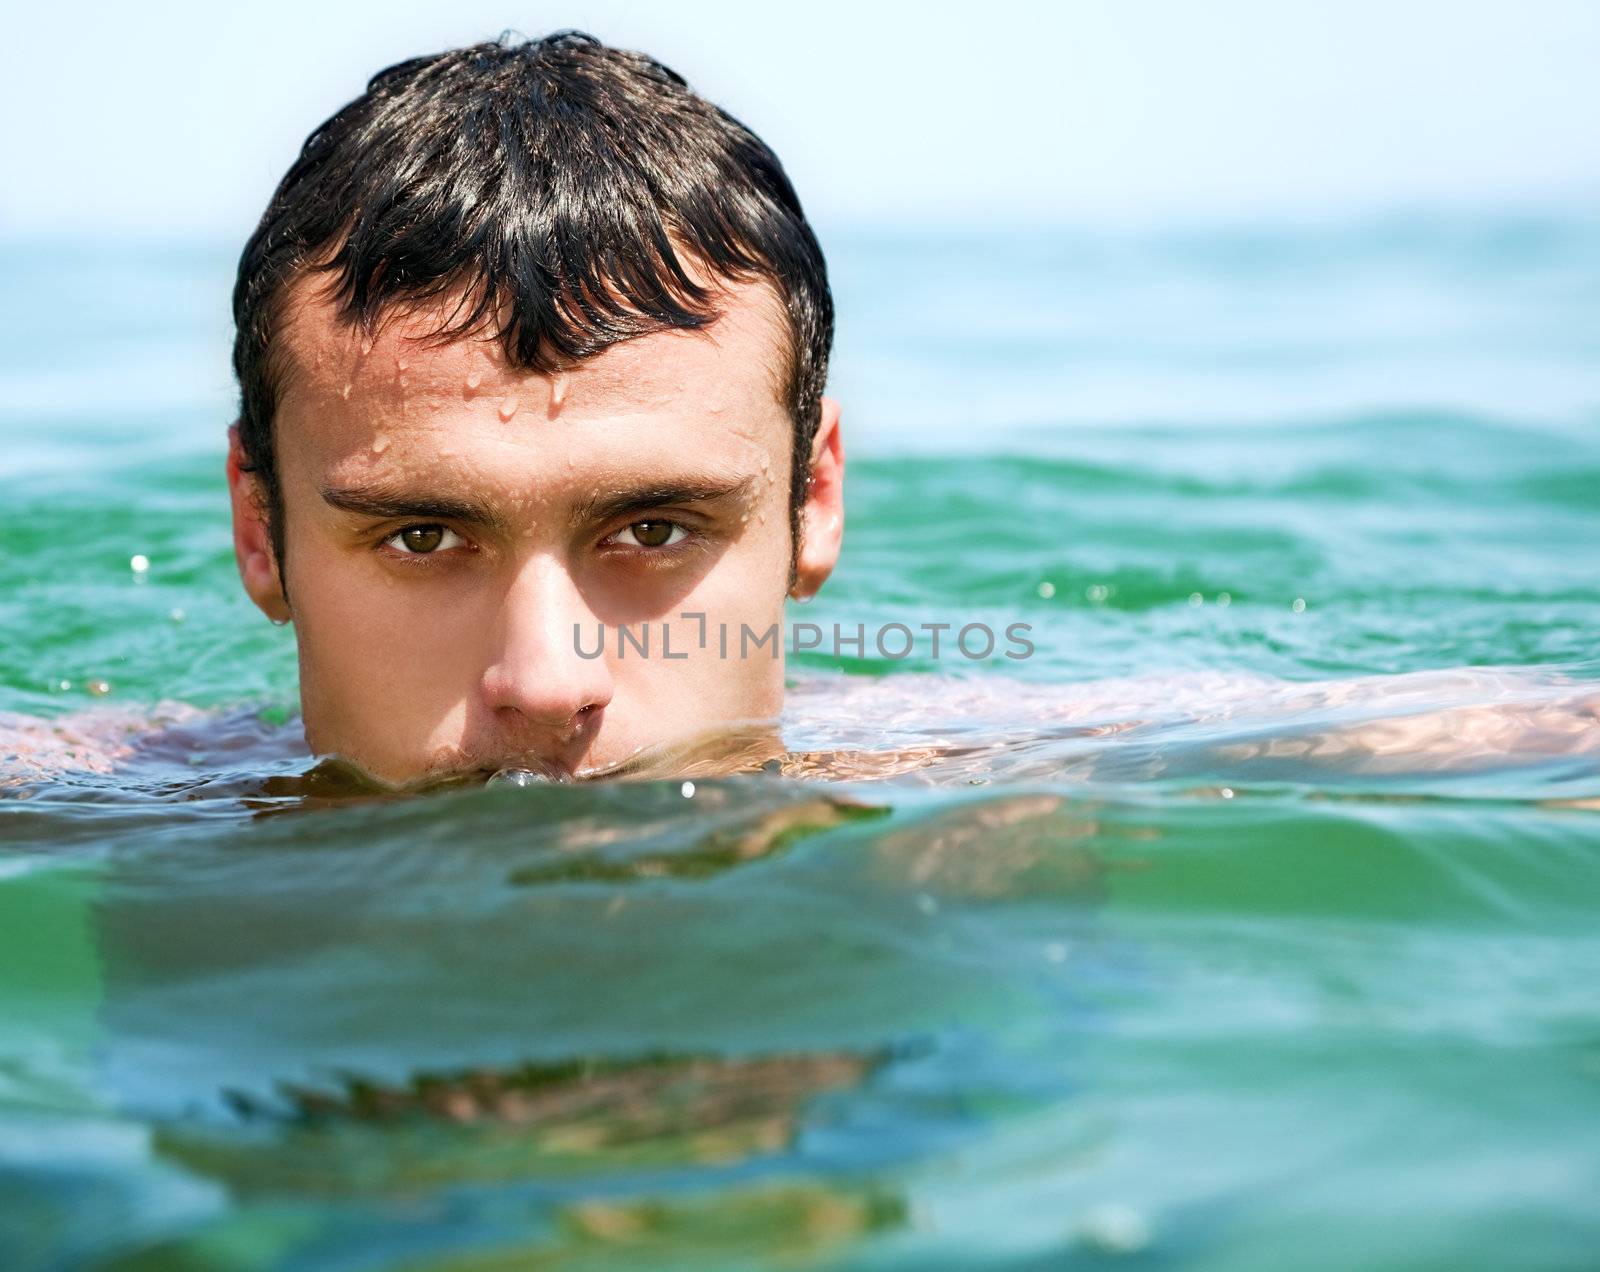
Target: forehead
(404, 374)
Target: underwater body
(1251, 921)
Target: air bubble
(1047, 589)
(518, 777)
(139, 563)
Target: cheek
(751, 580)
(734, 675)
(367, 638)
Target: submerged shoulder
(90, 741)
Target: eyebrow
(609, 505)
(387, 504)
(603, 505)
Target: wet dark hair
(567, 193)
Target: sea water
(1252, 922)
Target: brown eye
(420, 540)
(651, 534)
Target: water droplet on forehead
(345, 393)
(474, 379)
(380, 444)
(508, 408)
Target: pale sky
(177, 118)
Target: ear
(252, 539)
(822, 515)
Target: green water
(1249, 935)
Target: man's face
(457, 530)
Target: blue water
(1250, 923)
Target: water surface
(1251, 922)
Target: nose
(536, 683)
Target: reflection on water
(1011, 980)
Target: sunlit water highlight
(1251, 923)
